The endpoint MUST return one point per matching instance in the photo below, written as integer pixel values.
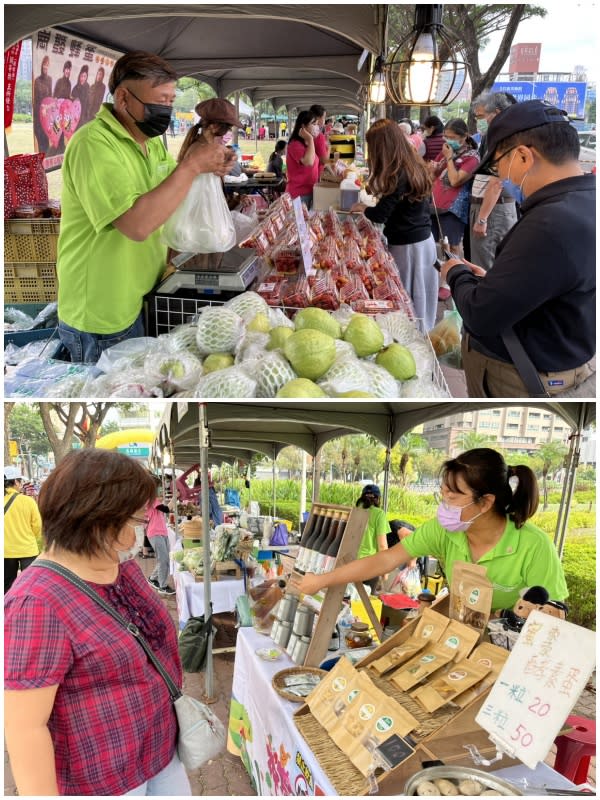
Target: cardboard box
(325, 196)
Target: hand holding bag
(203, 222)
(201, 733)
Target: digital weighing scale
(232, 271)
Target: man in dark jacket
(538, 303)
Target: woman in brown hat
(217, 117)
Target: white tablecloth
(261, 726)
(190, 595)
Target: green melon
(364, 334)
(319, 320)
(310, 353)
(300, 387)
(398, 360)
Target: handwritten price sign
(538, 686)
(303, 237)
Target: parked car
(587, 152)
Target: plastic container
(349, 192)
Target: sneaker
(154, 582)
(166, 590)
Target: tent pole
(203, 434)
(174, 489)
(569, 484)
(386, 464)
(273, 506)
(316, 475)
(303, 488)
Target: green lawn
(20, 140)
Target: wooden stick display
(352, 522)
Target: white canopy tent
(199, 432)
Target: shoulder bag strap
(523, 364)
(70, 576)
(10, 502)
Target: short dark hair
(434, 122)
(89, 497)
(558, 144)
(486, 472)
(318, 111)
(139, 66)
(67, 65)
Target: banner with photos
(70, 83)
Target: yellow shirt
(22, 526)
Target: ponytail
(524, 494)
(190, 138)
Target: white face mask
(315, 130)
(126, 555)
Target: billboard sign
(525, 57)
(70, 82)
(568, 95)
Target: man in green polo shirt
(119, 186)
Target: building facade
(519, 429)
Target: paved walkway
(225, 776)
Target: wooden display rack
(441, 735)
(226, 569)
(356, 523)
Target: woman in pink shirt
(156, 531)
(301, 160)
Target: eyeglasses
(141, 520)
(493, 166)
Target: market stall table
(269, 190)
(278, 759)
(190, 595)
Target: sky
(568, 33)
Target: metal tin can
(275, 629)
(284, 633)
(294, 638)
(303, 621)
(300, 650)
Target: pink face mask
(449, 517)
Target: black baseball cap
(370, 488)
(516, 118)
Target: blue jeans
(160, 545)
(87, 348)
(172, 781)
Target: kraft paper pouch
(470, 595)
(430, 628)
(486, 655)
(369, 721)
(425, 663)
(459, 638)
(334, 693)
(455, 679)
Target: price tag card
(538, 686)
(303, 237)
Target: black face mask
(156, 118)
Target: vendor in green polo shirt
(482, 518)
(119, 186)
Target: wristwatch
(482, 221)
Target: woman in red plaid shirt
(85, 712)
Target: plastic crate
(30, 282)
(31, 240)
(54, 349)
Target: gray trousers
(161, 570)
(501, 219)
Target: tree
(190, 92)
(79, 420)
(552, 455)
(428, 463)
(406, 447)
(471, 440)
(471, 25)
(25, 426)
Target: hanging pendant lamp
(427, 68)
